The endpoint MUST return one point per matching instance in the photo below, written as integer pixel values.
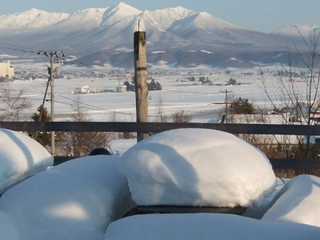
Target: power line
(58, 54)
(17, 48)
(92, 107)
(85, 104)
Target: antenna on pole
(139, 25)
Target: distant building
(122, 88)
(85, 89)
(6, 71)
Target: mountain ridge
(179, 31)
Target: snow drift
(205, 227)
(20, 158)
(297, 201)
(197, 167)
(76, 200)
(7, 229)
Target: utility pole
(51, 72)
(53, 145)
(140, 78)
(226, 106)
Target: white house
(6, 71)
(85, 89)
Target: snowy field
(202, 102)
(86, 198)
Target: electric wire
(91, 107)
(65, 60)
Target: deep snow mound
(7, 229)
(206, 227)
(21, 157)
(197, 167)
(297, 201)
(75, 200)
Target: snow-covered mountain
(117, 13)
(30, 20)
(175, 36)
(80, 20)
(296, 30)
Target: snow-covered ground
(86, 198)
(202, 102)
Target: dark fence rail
(268, 129)
(295, 163)
(272, 129)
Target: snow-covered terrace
(86, 198)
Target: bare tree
(181, 117)
(161, 117)
(13, 102)
(81, 143)
(293, 103)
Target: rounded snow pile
(20, 157)
(197, 167)
(75, 200)
(297, 201)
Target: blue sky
(260, 15)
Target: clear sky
(261, 15)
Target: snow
(98, 25)
(204, 20)
(297, 201)
(75, 200)
(21, 157)
(166, 17)
(258, 211)
(31, 19)
(175, 96)
(87, 18)
(120, 146)
(87, 197)
(117, 13)
(7, 231)
(295, 30)
(205, 51)
(189, 166)
(206, 227)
